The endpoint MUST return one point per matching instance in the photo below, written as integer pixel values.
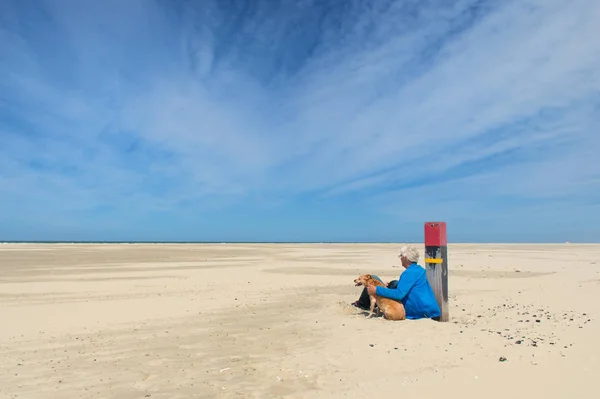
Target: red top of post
(435, 234)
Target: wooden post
(436, 264)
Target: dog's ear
(368, 276)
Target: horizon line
(285, 242)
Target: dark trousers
(364, 302)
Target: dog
(391, 309)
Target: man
(412, 289)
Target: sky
(305, 120)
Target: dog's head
(363, 280)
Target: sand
(274, 321)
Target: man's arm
(406, 282)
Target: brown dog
(392, 310)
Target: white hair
(410, 252)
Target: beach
(275, 321)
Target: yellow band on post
(433, 260)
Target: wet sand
(274, 321)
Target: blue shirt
(415, 293)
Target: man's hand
(372, 289)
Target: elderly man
(412, 288)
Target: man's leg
(364, 302)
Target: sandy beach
(275, 321)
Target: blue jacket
(415, 293)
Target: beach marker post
(436, 264)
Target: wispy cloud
(448, 109)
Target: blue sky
(299, 120)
